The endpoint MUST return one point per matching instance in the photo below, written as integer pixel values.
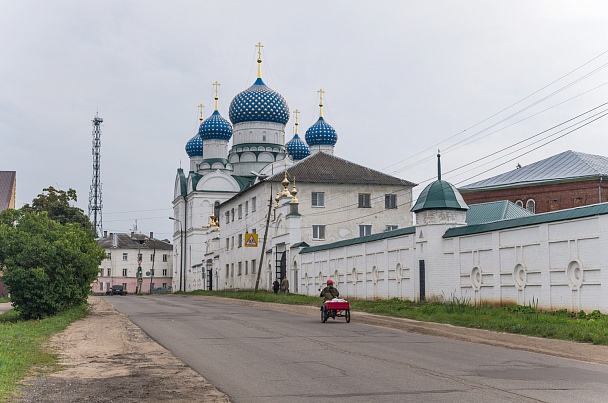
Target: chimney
(151, 235)
(105, 234)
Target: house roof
(361, 239)
(326, 168)
(440, 195)
(131, 241)
(534, 219)
(7, 182)
(569, 165)
(494, 211)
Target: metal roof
(440, 195)
(569, 165)
(128, 241)
(362, 239)
(7, 183)
(326, 168)
(494, 211)
(535, 219)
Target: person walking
(276, 285)
(285, 286)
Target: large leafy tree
(48, 266)
(56, 203)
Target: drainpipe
(599, 190)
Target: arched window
(519, 203)
(531, 205)
(216, 209)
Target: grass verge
(21, 346)
(4, 299)
(527, 320)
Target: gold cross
(321, 96)
(259, 46)
(217, 86)
(200, 108)
(296, 112)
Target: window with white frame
(240, 238)
(391, 227)
(519, 203)
(227, 243)
(227, 217)
(109, 272)
(253, 204)
(318, 199)
(390, 201)
(531, 205)
(165, 257)
(101, 286)
(365, 200)
(109, 255)
(164, 272)
(239, 267)
(231, 215)
(125, 256)
(246, 266)
(253, 266)
(240, 208)
(227, 270)
(124, 272)
(318, 232)
(231, 269)
(246, 207)
(124, 286)
(365, 230)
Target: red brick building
(563, 181)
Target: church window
(231, 269)
(253, 266)
(216, 210)
(240, 211)
(240, 240)
(390, 201)
(232, 243)
(124, 256)
(365, 200)
(253, 204)
(318, 232)
(232, 214)
(124, 272)
(227, 270)
(227, 243)
(246, 208)
(227, 217)
(519, 203)
(246, 266)
(240, 266)
(365, 230)
(531, 206)
(318, 199)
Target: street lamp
(181, 258)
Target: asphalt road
(264, 355)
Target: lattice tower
(95, 204)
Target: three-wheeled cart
(333, 309)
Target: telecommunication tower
(95, 193)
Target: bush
(48, 266)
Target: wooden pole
(257, 281)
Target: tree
(56, 203)
(48, 266)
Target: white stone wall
(559, 265)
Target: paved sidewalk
(5, 306)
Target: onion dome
(194, 147)
(296, 147)
(259, 103)
(440, 195)
(215, 126)
(321, 133)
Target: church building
(236, 210)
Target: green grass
(21, 346)
(527, 320)
(4, 299)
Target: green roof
(440, 195)
(182, 182)
(244, 181)
(362, 239)
(494, 211)
(535, 219)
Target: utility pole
(257, 281)
(152, 270)
(140, 278)
(95, 192)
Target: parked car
(116, 290)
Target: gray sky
(400, 77)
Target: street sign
(251, 240)
(147, 273)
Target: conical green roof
(440, 195)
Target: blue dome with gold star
(321, 134)
(215, 127)
(194, 147)
(297, 148)
(259, 103)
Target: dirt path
(119, 363)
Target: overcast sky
(401, 80)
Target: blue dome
(321, 134)
(297, 148)
(259, 103)
(194, 147)
(215, 127)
